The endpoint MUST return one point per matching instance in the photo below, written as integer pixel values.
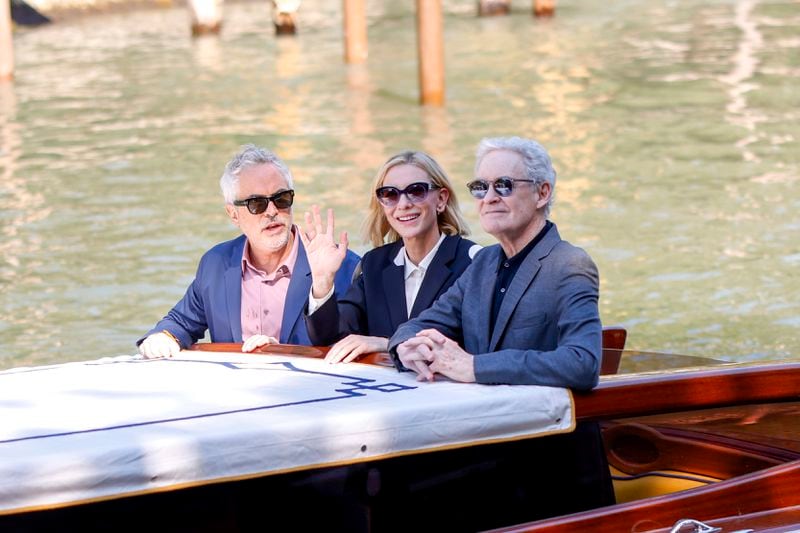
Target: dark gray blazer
(548, 329)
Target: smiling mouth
(407, 218)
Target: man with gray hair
(255, 287)
(525, 312)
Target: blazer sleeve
(324, 325)
(187, 320)
(344, 276)
(337, 318)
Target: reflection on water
(675, 131)
(744, 67)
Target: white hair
(250, 155)
(538, 166)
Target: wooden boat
(720, 445)
(717, 444)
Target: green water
(674, 127)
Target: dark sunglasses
(503, 186)
(416, 193)
(258, 204)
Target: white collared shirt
(415, 274)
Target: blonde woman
(416, 226)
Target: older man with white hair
(255, 287)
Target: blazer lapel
(296, 294)
(522, 280)
(519, 285)
(233, 292)
(394, 290)
(438, 273)
(486, 294)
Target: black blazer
(375, 304)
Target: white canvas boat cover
(101, 429)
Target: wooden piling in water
(430, 48)
(493, 7)
(206, 16)
(6, 42)
(284, 15)
(355, 31)
(544, 8)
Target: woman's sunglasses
(258, 204)
(416, 193)
(503, 186)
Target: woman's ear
(444, 196)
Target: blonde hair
(377, 229)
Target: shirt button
(503, 289)
(506, 265)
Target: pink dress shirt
(264, 294)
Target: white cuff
(316, 303)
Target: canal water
(674, 127)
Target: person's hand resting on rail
(159, 344)
(353, 346)
(257, 341)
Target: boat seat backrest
(613, 344)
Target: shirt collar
(520, 256)
(285, 269)
(401, 259)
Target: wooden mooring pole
(284, 14)
(355, 31)
(430, 48)
(493, 7)
(541, 8)
(6, 43)
(206, 16)
(544, 8)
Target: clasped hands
(430, 353)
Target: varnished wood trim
(638, 448)
(645, 394)
(769, 489)
(269, 349)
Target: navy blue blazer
(375, 305)
(214, 299)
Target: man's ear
(232, 213)
(545, 191)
